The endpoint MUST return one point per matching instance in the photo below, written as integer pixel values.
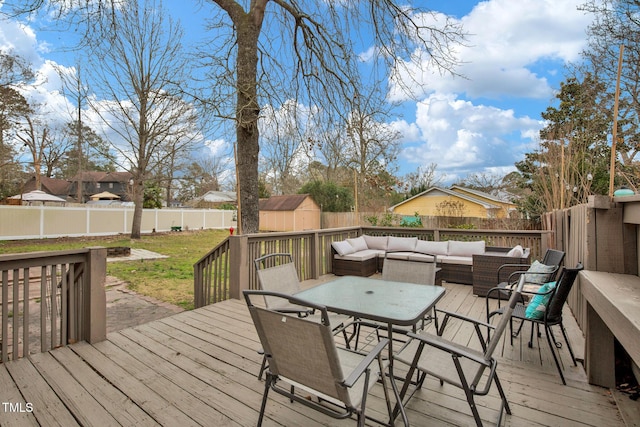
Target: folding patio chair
(420, 272)
(400, 270)
(470, 369)
(277, 273)
(551, 310)
(303, 355)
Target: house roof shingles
(53, 186)
(104, 176)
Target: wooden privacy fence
(600, 235)
(51, 299)
(228, 268)
(35, 222)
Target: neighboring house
(213, 199)
(297, 212)
(456, 201)
(117, 183)
(53, 186)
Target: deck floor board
(199, 368)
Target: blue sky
(482, 123)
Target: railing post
(94, 322)
(315, 252)
(239, 265)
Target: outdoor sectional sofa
(364, 256)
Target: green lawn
(168, 279)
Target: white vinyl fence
(33, 222)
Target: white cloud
(514, 54)
(461, 137)
(19, 39)
(218, 147)
(507, 39)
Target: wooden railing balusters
(215, 281)
(71, 300)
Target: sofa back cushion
(358, 243)
(538, 304)
(516, 252)
(466, 248)
(402, 243)
(342, 248)
(376, 242)
(539, 273)
(432, 248)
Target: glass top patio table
(396, 303)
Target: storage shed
(296, 212)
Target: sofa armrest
(486, 267)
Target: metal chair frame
(552, 316)
(340, 378)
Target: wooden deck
(199, 368)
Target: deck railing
(216, 279)
(211, 272)
(51, 299)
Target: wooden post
(316, 254)
(238, 265)
(94, 322)
(599, 351)
(612, 167)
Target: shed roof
(282, 203)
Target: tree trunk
(247, 111)
(138, 200)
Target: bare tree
(73, 86)
(13, 107)
(371, 145)
(36, 139)
(312, 36)
(14, 70)
(297, 50)
(284, 147)
(422, 179)
(489, 183)
(138, 68)
(204, 173)
(616, 24)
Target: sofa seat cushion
(460, 260)
(359, 256)
(466, 249)
(399, 255)
(422, 257)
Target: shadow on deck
(199, 368)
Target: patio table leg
(399, 407)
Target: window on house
(111, 185)
(97, 185)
